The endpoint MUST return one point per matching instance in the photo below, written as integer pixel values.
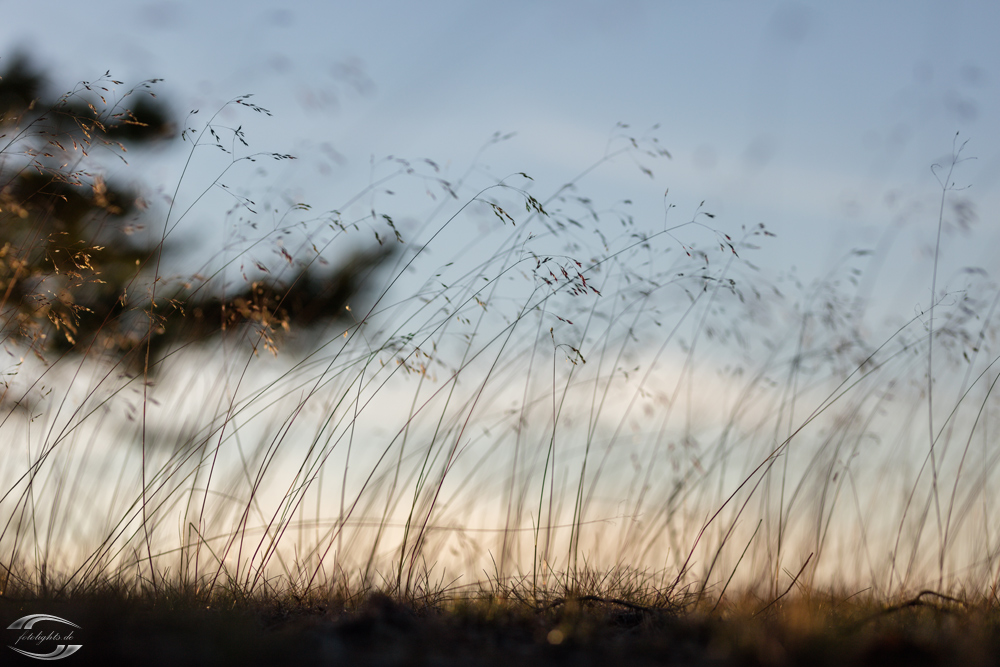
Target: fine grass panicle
(508, 394)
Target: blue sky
(819, 119)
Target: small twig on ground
(916, 601)
(801, 570)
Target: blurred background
(820, 120)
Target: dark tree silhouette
(71, 260)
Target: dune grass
(540, 413)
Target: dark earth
(594, 631)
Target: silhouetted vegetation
(558, 433)
(79, 254)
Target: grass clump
(583, 436)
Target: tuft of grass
(582, 433)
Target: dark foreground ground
(379, 631)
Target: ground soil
(381, 631)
